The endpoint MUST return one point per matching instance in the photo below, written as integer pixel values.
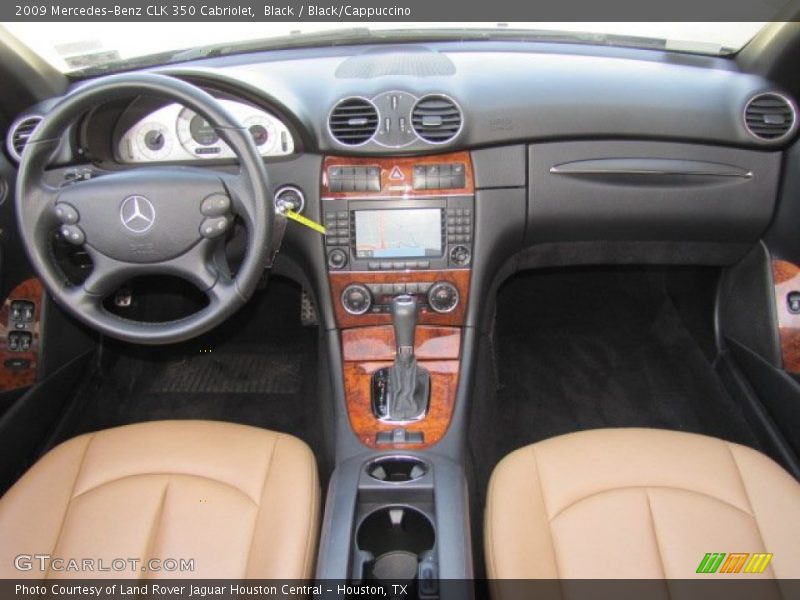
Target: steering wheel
(168, 220)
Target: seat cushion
(242, 502)
(637, 503)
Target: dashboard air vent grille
(436, 119)
(769, 117)
(20, 132)
(353, 121)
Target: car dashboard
(436, 171)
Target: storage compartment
(635, 191)
(397, 469)
(393, 542)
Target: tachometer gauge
(154, 141)
(197, 136)
(263, 132)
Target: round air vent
(19, 134)
(769, 117)
(353, 121)
(436, 119)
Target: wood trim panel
(458, 277)
(11, 379)
(367, 349)
(399, 188)
(786, 278)
(377, 343)
(357, 381)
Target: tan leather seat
(241, 502)
(637, 503)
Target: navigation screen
(404, 233)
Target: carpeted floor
(260, 369)
(592, 348)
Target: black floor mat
(603, 349)
(237, 373)
(586, 349)
(259, 368)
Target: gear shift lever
(401, 392)
(404, 319)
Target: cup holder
(397, 469)
(397, 538)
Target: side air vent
(769, 117)
(19, 134)
(436, 119)
(353, 121)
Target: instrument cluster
(176, 133)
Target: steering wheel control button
(443, 297)
(337, 259)
(137, 214)
(73, 234)
(289, 198)
(216, 205)
(66, 214)
(215, 227)
(356, 299)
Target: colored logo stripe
(758, 563)
(711, 562)
(734, 563)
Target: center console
(399, 227)
(399, 250)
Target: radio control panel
(399, 225)
(398, 235)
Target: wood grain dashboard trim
(399, 187)
(367, 349)
(444, 381)
(377, 343)
(786, 279)
(30, 290)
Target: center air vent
(769, 117)
(353, 121)
(19, 134)
(436, 119)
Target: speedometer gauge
(197, 136)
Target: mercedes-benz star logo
(137, 214)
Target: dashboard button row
(354, 179)
(392, 289)
(337, 228)
(439, 177)
(398, 266)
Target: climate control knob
(356, 299)
(443, 297)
